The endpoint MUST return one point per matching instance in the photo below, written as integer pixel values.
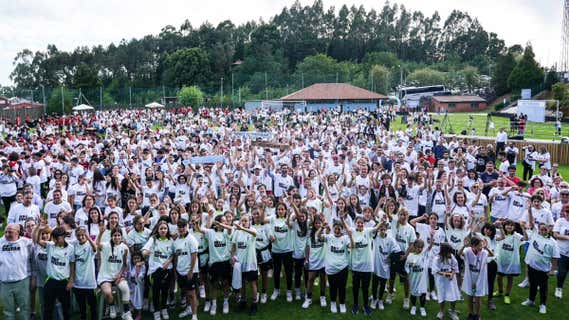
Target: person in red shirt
(429, 157)
(511, 176)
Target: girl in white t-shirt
(112, 267)
(445, 269)
(83, 275)
(508, 245)
(475, 283)
(417, 267)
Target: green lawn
(461, 121)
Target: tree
(381, 79)
(426, 77)
(54, 103)
(191, 96)
(86, 77)
(504, 66)
(471, 77)
(186, 67)
(550, 79)
(527, 73)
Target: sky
(34, 24)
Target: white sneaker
(389, 299)
(558, 293)
(127, 316)
(288, 296)
(165, 315)
(213, 309)
(157, 315)
(524, 284)
(183, 302)
(542, 309)
(423, 312)
(453, 315)
(297, 294)
(270, 273)
(225, 306)
(342, 308)
(275, 295)
(323, 302)
(202, 292)
(434, 296)
(380, 305)
(527, 303)
(307, 302)
(440, 315)
(207, 306)
(333, 307)
(413, 310)
(428, 297)
(145, 305)
(406, 303)
(373, 303)
(186, 312)
(151, 308)
(112, 311)
(263, 298)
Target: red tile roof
(333, 91)
(456, 99)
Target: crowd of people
(151, 209)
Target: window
(474, 105)
(452, 105)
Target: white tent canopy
(83, 107)
(154, 105)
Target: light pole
(43, 95)
(221, 91)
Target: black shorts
(317, 270)
(266, 266)
(459, 260)
(501, 274)
(220, 271)
(397, 266)
(187, 284)
(250, 276)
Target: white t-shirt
(58, 259)
(562, 226)
(84, 258)
(540, 252)
(20, 213)
(15, 259)
(475, 282)
(337, 254)
(499, 204)
(112, 260)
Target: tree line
(299, 46)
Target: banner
(254, 135)
(204, 160)
(534, 109)
(268, 144)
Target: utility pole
(336, 77)
(130, 97)
(43, 95)
(266, 89)
(62, 102)
(163, 95)
(101, 98)
(221, 91)
(302, 80)
(232, 92)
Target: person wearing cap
(15, 270)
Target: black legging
(160, 288)
(537, 279)
(562, 269)
(280, 259)
(361, 280)
(84, 297)
(492, 272)
(56, 289)
(299, 270)
(7, 201)
(338, 285)
(422, 299)
(528, 171)
(375, 282)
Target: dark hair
(445, 251)
(488, 226)
(302, 226)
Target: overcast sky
(34, 24)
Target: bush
(500, 106)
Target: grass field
(461, 121)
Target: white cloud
(34, 24)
